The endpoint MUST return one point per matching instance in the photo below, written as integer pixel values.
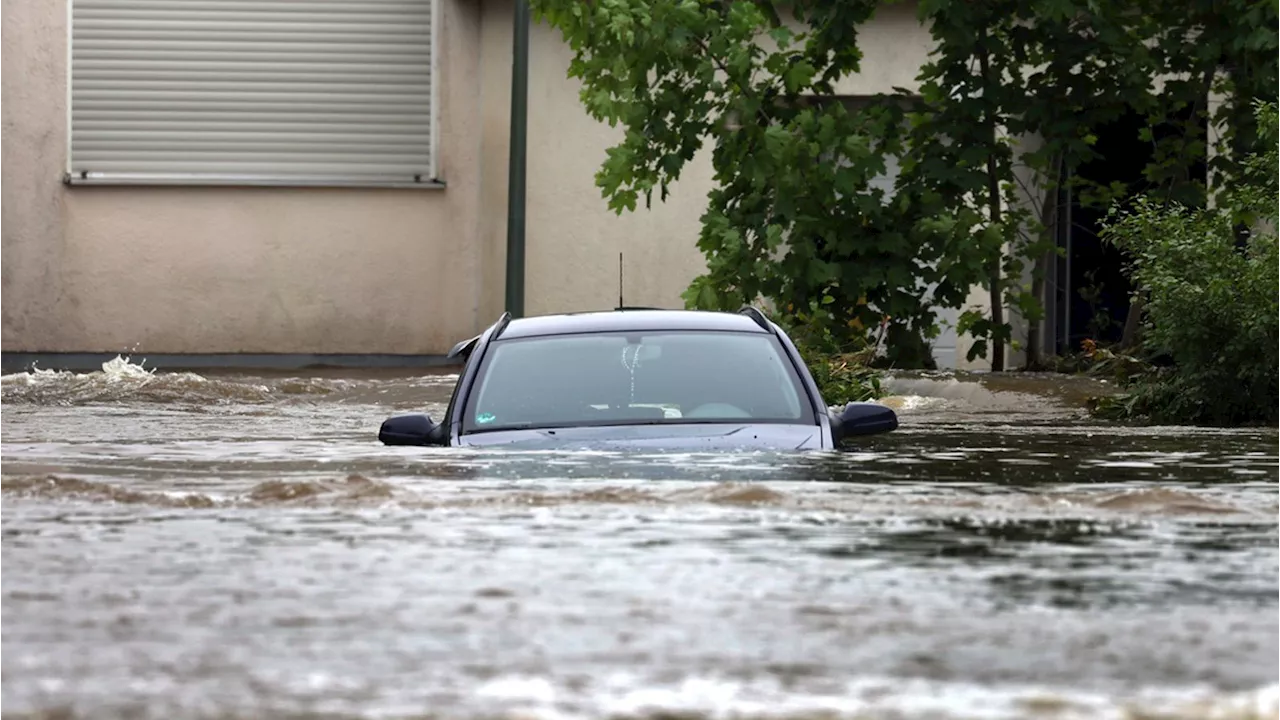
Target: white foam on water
(626, 696)
(122, 379)
(912, 403)
(117, 369)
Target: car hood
(710, 437)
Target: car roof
(629, 320)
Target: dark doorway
(1093, 288)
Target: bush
(1211, 300)
(840, 366)
(842, 379)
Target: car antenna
(621, 305)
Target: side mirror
(862, 418)
(417, 429)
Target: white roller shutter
(308, 92)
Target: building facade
(317, 178)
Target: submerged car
(637, 378)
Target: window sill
(83, 180)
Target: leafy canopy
(802, 210)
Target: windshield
(636, 378)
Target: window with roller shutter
(253, 92)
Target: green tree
(795, 215)
(798, 215)
(1002, 72)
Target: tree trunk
(996, 276)
(996, 269)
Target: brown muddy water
(234, 546)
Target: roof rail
(501, 325)
(754, 313)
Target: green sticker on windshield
(485, 418)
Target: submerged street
(236, 546)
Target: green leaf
(798, 76)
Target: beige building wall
(231, 270)
(572, 238)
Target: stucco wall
(495, 94)
(226, 270)
(572, 238)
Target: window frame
(429, 180)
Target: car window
(627, 378)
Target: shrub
(840, 362)
(1211, 300)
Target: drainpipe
(516, 159)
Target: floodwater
(228, 546)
